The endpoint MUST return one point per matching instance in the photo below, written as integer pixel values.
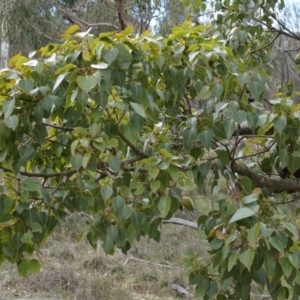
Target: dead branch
(129, 258)
(182, 222)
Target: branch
(256, 153)
(276, 185)
(42, 33)
(182, 222)
(74, 20)
(59, 127)
(128, 259)
(41, 175)
(138, 152)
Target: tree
(31, 24)
(105, 125)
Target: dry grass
(72, 270)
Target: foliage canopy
(108, 126)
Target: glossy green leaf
(256, 88)
(110, 55)
(114, 163)
(293, 164)
(86, 83)
(229, 126)
(138, 108)
(206, 138)
(241, 213)
(280, 123)
(26, 85)
(123, 53)
(246, 258)
(30, 185)
(164, 205)
(189, 136)
(243, 79)
(252, 120)
(8, 107)
(253, 235)
(76, 161)
(233, 258)
(12, 122)
(106, 192)
(119, 77)
(276, 243)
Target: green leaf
(34, 266)
(12, 122)
(120, 239)
(8, 107)
(152, 230)
(189, 136)
(107, 244)
(246, 184)
(164, 205)
(174, 172)
(26, 238)
(85, 160)
(114, 163)
(138, 108)
(229, 126)
(110, 55)
(86, 83)
(270, 265)
(256, 88)
(241, 213)
(240, 116)
(30, 185)
(204, 93)
(5, 204)
(119, 77)
(153, 173)
(286, 266)
(243, 78)
(284, 157)
(280, 123)
(243, 289)
(124, 213)
(232, 260)
(291, 228)
(26, 85)
(250, 198)
(137, 92)
(136, 220)
(276, 243)
(293, 164)
(253, 235)
(155, 185)
(76, 161)
(24, 267)
(206, 138)
(252, 120)
(36, 227)
(123, 54)
(117, 202)
(293, 259)
(217, 91)
(246, 258)
(106, 192)
(59, 80)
